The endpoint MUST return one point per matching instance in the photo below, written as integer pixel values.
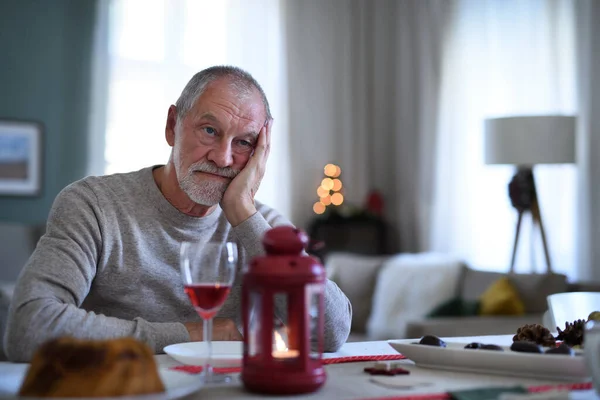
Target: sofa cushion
(501, 298)
(456, 307)
(532, 288)
(356, 276)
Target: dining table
(347, 379)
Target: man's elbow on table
(24, 333)
(335, 341)
(18, 347)
(337, 329)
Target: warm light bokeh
(337, 185)
(319, 208)
(327, 183)
(327, 186)
(337, 199)
(322, 192)
(330, 170)
(337, 172)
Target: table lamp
(525, 141)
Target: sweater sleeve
(338, 311)
(57, 278)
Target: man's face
(215, 140)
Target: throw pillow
(456, 307)
(501, 298)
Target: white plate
(224, 354)
(455, 357)
(177, 384)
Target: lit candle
(284, 354)
(281, 350)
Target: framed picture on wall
(20, 158)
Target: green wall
(45, 75)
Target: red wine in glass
(207, 299)
(208, 271)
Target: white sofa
(358, 277)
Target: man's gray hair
(241, 80)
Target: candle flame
(279, 342)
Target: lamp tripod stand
(523, 196)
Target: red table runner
(196, 369)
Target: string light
(319, 208)
(330, 170)
(322, 192)
(337, 199)
(329, 190)
(337, 185)
(337, 172)
(327, 183)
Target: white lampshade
(530, 140)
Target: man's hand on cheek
(238, 200)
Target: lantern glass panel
(254, 324)
(282, 349)
(313, 298)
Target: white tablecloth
(349, 381)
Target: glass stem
(208, 323)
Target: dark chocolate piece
(526, 347)
(431, 340)
(388, 372)
(562, 349)
(474, 345)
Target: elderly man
(108, 265)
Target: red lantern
(278, 358)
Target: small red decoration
(375, 202)
(386, 369)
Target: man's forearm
(250, 234)
(32, 323)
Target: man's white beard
(204, 191)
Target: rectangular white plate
(455, 357)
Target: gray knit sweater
(108, 266)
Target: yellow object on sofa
(501, 298)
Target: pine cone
(535, 333)
(573, 333)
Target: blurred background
(395, 93)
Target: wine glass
(208, 271)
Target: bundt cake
(68, 367)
